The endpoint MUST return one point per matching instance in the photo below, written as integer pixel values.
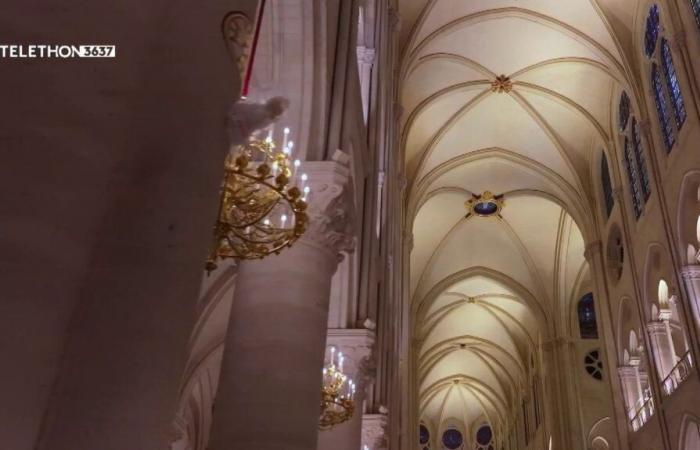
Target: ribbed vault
(513, 97)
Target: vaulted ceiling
(486, 290)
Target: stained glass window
(624, 110)
(484, 436)
(695, 4)
(674, 89)
(588, 326)
(424, 435)
(662, 108)
(607, 186)
(651, 34)
(633, 178)
(452, 439)
(641, 162)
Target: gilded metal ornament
(502, 84)
(261, 211)
(484, 205)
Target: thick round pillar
(269, 387)
(112, 168)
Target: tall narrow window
(607, 185)
(651, 33)
(587, 323)
(624, 110)
(661, 108)
(674, 89)
(641, 162)
(635, 165)
(633, 178)
(664, 79)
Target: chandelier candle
(337, 394)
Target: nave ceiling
(486, 291)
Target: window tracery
(661, 108)
(484, 438)
(424, 437)
(674, 88)
(641, 161)
(594, 365)
(452, 439)
(634, 161)
(667, 92)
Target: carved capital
(627, 373)
(408, 239)
(691, 272)
(645, 126)
(656, 329)
(365, 55)
(331, 206)
(374, 435)
(618, 194)
(394, 20)
(398, 111)
(558, 341)
(592, 249)
(357, 347)
(678, 42)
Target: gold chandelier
(261, 208)
(337, 394)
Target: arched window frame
(641, 160)
(587, 317)
(663, 78)
(632, 178)
(662, 108)
(672, 85)
(606, 184)
(487, 445)
(459, 445)
(633, 153)
(424, 444)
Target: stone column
(374, 435)
(269, 387)
(691, 278)
(663, 348)
(632, 388)
(356, 345)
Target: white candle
(284, 220)
(332, 354)
(284, 139)
(340, 361)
